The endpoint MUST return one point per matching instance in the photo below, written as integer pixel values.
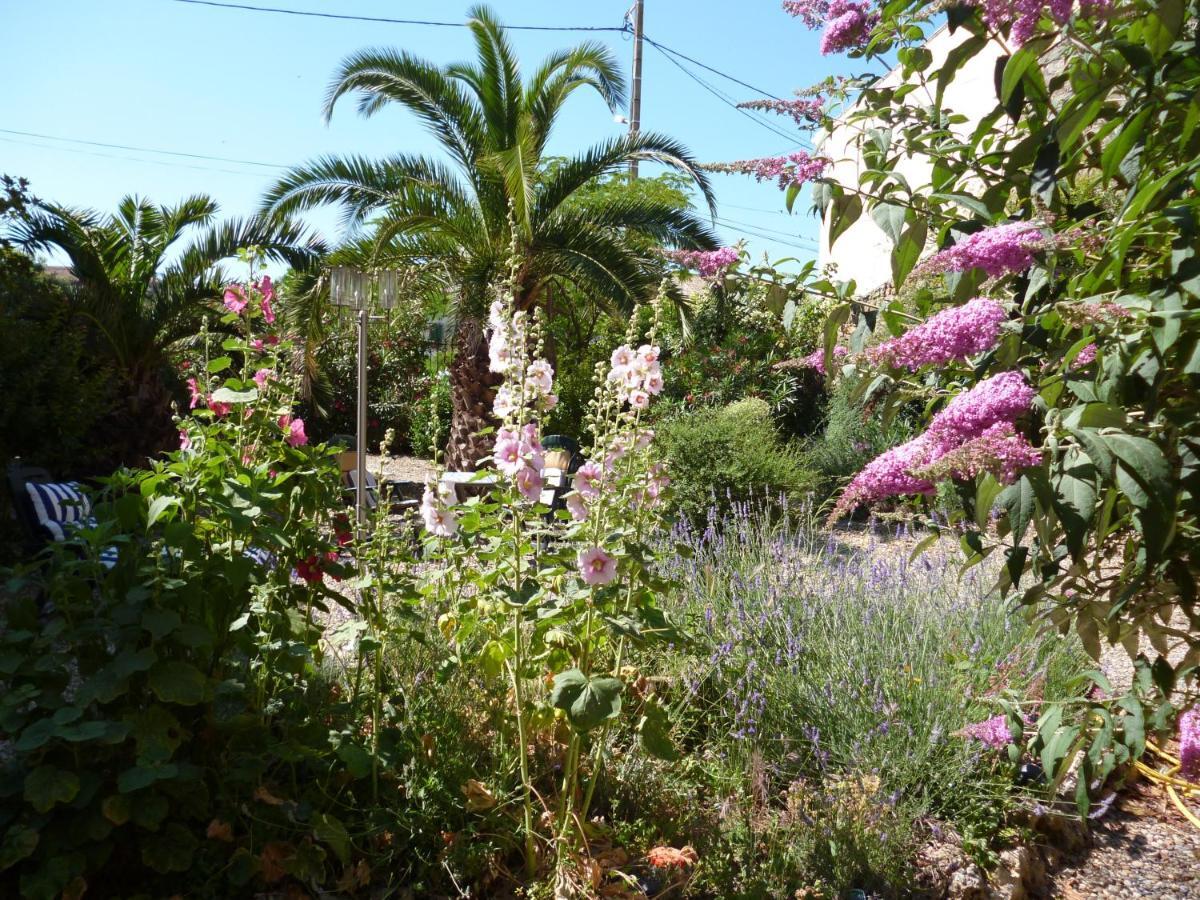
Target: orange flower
(669, 857)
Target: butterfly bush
(1024, 16)
(847, 23)
(792, 170)
(998, 250)
(952, 334)
(816, 359)
(975, 432)
(709, 263)
(1189, 744)
(992, 732)
(804, 110)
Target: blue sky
(248, 86)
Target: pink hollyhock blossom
(643, 438)
(1189, 744)
(507, 454)
(1000, 450)
(709, 263)
(639, 399)
(261, 377)
(887, 475)
(587, 480)
(1084, 357)
(548, 401)
(218, 408)
(993, 732)
(296, 436)
(504, 404)
(1002, 398)
(849, 26)
(499, 355)
(235, 299)
(540, 376)
(267, 289)
(194, 390)
(257, 344)
(185, 442)
(529, 483)
(596, 566)
(803, 112)
(954, 333)
(794, 169)
(529, 436)
(267, 311)
(653, 382)
(622, 358)
(497, 315)
(648, 354)
(438, 519)
(816, 359)
(577, 507)
(998, 250)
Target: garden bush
(728, 454)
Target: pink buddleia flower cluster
(1189, 744)
(968, 424)
(847, 23)
(816, 359)
(803, 111)
(709, 263)
(1080, 315)
(993, 732)
(1000, 450)
(955, 333)
(1085, 357)
(997, 250)
(794, 169)
(1025, 15)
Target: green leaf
(1134, 725)
(331, 831)
(19, 843)
(586, 701)
(177, 682)
(1055, 749)
(492, 657)
(1145, 465)
(220, 364)
(225, 395)
(846, 210)
(47, 786)
(908, 251)
(654, 733)
(117, 808)
(170, 851)
(143, 776)
(1118, 148)
(1016, 67)
(890, 218)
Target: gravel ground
(401, 468)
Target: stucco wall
(863, 251)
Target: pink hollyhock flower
(507, 455)
(296, 436)
(540, 376)
(1002, 398)
(816, 359)
(794, 169)
(587, 480)
(235, 299)
(643, 438)
(267, 289)
(310, 569)
(267, 311)
(997, 250)
(596, 566)
(614, 455)
(993, 732)
(648, 354)
(577, 507)
(257, 344)
(529, 483)
(548, 401)
(272, 339)
(849, 26)
(653, 383)
(185, 442)
(261, 377)
(529, 436)
(639, 399)
(438, 519)
(499, 355)
(504, 404)
(954, 333)
(622, 358)
(1189, 744)
(194, 389)
(218, 408)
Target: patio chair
(348, 464)
(51, 511)
(562, 452)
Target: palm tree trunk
(472, 391)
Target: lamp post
(360, 290)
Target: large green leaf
(47, 786)
(586, 701)
(174, 681)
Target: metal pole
(360, 493)
(635, 97)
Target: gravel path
(401, 468)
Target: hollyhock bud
(296, 436)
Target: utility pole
(635, 97)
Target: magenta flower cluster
(847, 23)
(993, 732)
(807, 111)
(997, 250)
(816, 359)
(955, 333)
(1189, 744)
(1025, 15)
(1085, 357)
(709, 263)
(794, 169)
(968, 425)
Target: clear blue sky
(245, 85)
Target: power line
(697, 62)
(382, 19)
(759, 209)
(787, 234)
(153, 162)
(766, 237)
(52, 137)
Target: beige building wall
(863, 251)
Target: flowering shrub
(557, 604)
(789, 171)
(709, 263)
(953, 334)
(804, 110)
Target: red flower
(310, 569)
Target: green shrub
(430, 417)
(719, 456)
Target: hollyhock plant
(196, 393)
(587, 480)
(596, 567)
(953, 334)
(576, 506)
(436, 515)
(235, 300)
(999, 250)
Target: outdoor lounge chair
(51, 511)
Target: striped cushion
(57, 505)
(260, 556)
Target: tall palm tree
(457, 219)
(147, 275)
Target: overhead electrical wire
(228, 159)
(126, 158)
(694, 61)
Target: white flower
(504, 404)
(540, 376)
(639, 399)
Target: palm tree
(142, 305)
(456, 221)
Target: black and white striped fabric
(59, 505)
